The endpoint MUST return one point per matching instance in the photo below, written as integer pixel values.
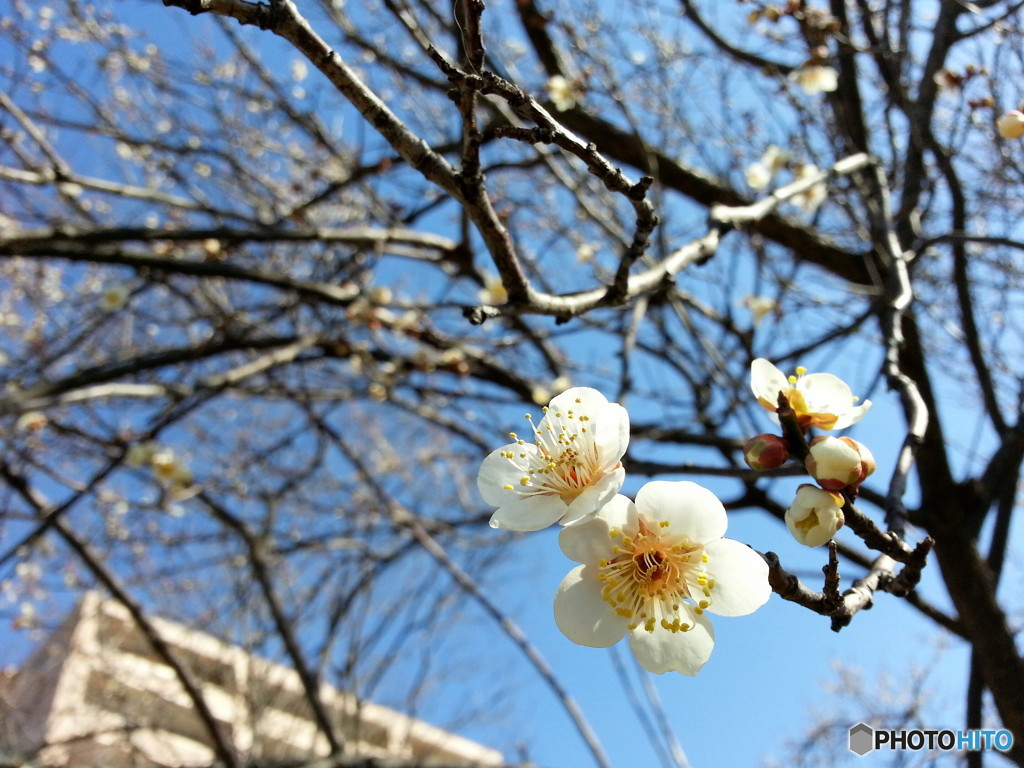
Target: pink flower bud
(834, 463)
(765, 451)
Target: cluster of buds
(838, 464)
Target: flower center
(567, 462)
(808, 523)
(652, 574)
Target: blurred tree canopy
(277, 275)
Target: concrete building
(96, 694)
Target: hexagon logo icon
(861, 739)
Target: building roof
(96, 692)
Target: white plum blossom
(26, 618)
(586, 252)
(494, 292)
(654, 569)
(542, 394)
(815, 79)
(211, 247)
(141, 454)
(815, 515)
(819, 399)
(114, 297)
(775, 158)
(758, 176)
(169, 470)
(572, 468)
(563, 93)
(759, 306)
(811, 199)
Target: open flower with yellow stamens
(571, 469)
(654, 569)
(819, 399)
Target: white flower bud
(758, 176)
(816, 79)
(1011, 125)
(814, 516)
(31, 421)
(834, 463)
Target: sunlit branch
(100, 392)
(30, 241)
(145, 362)
(128, 191)
(745, 215)
(625, 147)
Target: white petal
(741, 578)
(662, 651)
(610, 433)
(588, 541)
(582, 615)
(593, 498)
(620, 512)
(690, 509)
(834, 462)
(529, 513)
(766, 381)
(579, 399)
(853, 415)
(497, 471)
(825, 393)
(758, 176)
